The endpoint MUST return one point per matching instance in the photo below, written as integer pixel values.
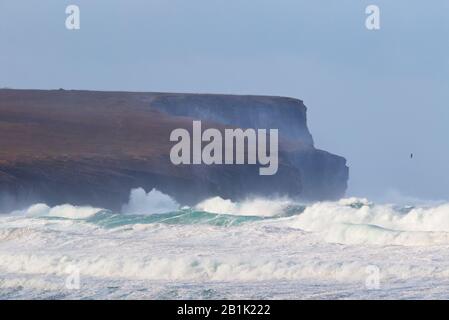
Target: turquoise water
(109, 219)
(287, 250)
(189, 216)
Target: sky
(373, 96)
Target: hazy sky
(372, 96)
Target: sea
(259, 248)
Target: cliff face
(287, 114)
(91, 148)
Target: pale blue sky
(373, 96)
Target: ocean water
(256, 249)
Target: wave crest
(357, 221)
(252, 207)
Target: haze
(373, 97)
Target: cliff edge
(92, 148)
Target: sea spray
(141, 202)
(321, 247)
(250, 207)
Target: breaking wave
(348, 221)
(62, 211)
(253, 207)
(357, 221)
(141, 202)
(218, 240)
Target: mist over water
(141, 202)
(208, 250)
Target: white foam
(250, 207)
(141, 202)
(357, 221)
(63, 211)
(230, 268)
(330, 245)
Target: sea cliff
(93, 147)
